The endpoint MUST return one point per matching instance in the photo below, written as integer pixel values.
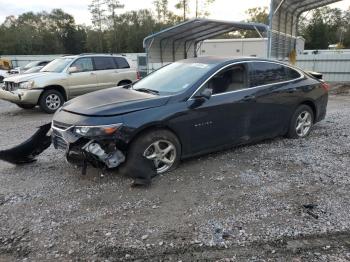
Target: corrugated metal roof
(201, 29)
(299, 6)
(284, 17)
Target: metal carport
(284, 18)
(182, 41)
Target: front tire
(301, 122)
(50, 101)
(124, 83)
(161, 146)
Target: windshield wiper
(146, 90)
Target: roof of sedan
(220, 60)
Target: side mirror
(200, 99)
(206, 93)
(72, 69)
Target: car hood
(113, 101)
(27, 77)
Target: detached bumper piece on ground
(27, 151)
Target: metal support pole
(269, 48)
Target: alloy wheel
(303, 124)
(163, 154)
(53, 101)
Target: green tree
(202, 7)
(184, 6)
(324, 27)
(113, 6)
(162, 10)
(98, 12)
(41, 33)
(256, 15)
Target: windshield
(57, 65)
(173, 78)
(33, 70)
(30, 65)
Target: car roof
(224, 60)
(94, 55)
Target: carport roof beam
(284, 15)
(200, 28)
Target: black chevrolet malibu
(188, 108)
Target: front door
(84, 79)
(221, 120)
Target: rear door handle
(92, 73)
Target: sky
(221, 9)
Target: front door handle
(92, 73)
(250, 98)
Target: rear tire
(154, 145)
(301, 123)
(25, 106)
(51, 100)
(124, 83)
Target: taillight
(138, 75)
(325, 86)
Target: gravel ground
(241, 204)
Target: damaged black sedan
(188, 108)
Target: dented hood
(113, 101)
(18, 78)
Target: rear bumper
(21, 96)
(321, 105)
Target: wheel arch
(312, 105)
(58, 88)
(152, 127)
(126, 81)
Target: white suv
(65, 78)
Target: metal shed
(284, 17)
(183, 40)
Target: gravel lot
(241, 204)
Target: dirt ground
(241, 204)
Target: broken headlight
(93, 131)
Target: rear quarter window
(292, 73)
(121, 62)
(263, 73)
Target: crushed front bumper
(99, 152)
(21, 96)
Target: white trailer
(255, 47)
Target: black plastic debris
(26, 152)
(309, 208)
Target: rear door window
(264, 73)
(121, 62)
(104, 63)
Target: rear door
(273, 98)
(84, 79)
(125, 73)
(106, 71)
